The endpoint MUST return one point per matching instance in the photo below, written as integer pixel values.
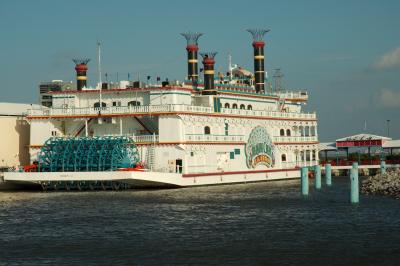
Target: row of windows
(309, 156)
(103, 104)
(207, 130)
(307, 131)
(282, 132)
(235, 106)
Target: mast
(99, 69)
(230, 66)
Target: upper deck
(153, 110)
(234, 101)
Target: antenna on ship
(258, 45)
(230, 68)
(99, 69)
(278, 76)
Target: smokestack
(208, 62)
(258, 44)
(192, 48)
(81, 68)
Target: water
(261, 224)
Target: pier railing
(149, 109)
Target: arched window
(312, 129)
(249, 107)
(288, 132)
(134, 103)
(97, 104)
(207, 130)
(283, 157)
(234, 106)
(242, 106)
(282, 132)
(307, 131)
(301, 129)
(308, 156)
(227, 105)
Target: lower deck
(148, 179)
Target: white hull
(154, 179)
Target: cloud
(389, 98)
(390, 60)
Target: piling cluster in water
(383, 184)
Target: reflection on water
(264, 223)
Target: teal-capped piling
(354, 185)
(328, 174)
(317, 170)
(383, 167)
(304, 181)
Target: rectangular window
(114, 103)
(191, 153)
(237, 151)
(232, 155)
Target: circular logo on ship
(259, 148)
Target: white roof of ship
(363, 137)
(16, 109)
(240, 70)
(327, 146)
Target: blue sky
(345, 53)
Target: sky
(346, 54)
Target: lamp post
(388, 122)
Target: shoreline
(386, 184)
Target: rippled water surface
(263, 223)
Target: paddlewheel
(87, 154)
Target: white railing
(307, 163)
(295, 139)
(214, 138)
(298, 164)
(263, 113)
(146, 138)
(293, 95)
(163, 108)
